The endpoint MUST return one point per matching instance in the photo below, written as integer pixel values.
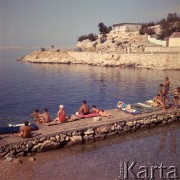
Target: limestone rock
(52, 138)
(89, 131)
(57, 137)
(103, 129)
(100, 136)
(29, 144)
(76, 139)
(49, 145)
(130, 123)
(36, 147)
(148, 121)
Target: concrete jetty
(83, 131)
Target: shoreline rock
(164, 61)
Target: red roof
(175, 35)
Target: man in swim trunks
(166, 83)
(84, 109)
(163, 95)
(46, 116)
(25, 131)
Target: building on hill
(126, 27)
(174, 40)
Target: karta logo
(127, 171)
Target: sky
(42, 23)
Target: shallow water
(25, 86)
(101, 160)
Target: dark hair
(167, 78)
(46, 110)
(161, 85)
(93, 106)
(84, 101)
(158, 94)
(37, 110)
(26, 123)
(178, 88)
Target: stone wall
(157, 41)
(82, 136)
(163, 49)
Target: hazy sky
(42, 23)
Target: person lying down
(125, 107)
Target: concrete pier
(83, 131)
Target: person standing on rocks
(163, 95)
(166, 83)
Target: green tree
(103, 29)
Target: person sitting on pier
(45, 116)
(25, 131)
(100, 112)
(36, 115)
(157, 101)
(175, 101)
(61, 115)
(84, 109)
(125, 107)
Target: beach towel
(146, 108)
(87, 115)
(134, 112)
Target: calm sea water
(26, 86)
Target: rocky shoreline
(150, 60)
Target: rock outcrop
(143, 60)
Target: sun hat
(61, 106)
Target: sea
(26, 86)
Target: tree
(103, 29)
(169, 25)
(91, 37)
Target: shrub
(43, 49)
(91, 37)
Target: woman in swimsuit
(176, 93)
(125, 107)
(100, 112)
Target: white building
(174, 40)
(126, 27)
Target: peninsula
(146, 45)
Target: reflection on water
(100, 160)
(26, 86)
(164, 141)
